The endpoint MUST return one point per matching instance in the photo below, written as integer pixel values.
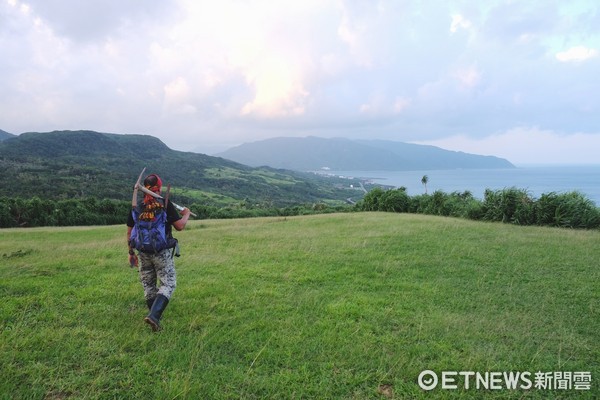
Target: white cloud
(278, 90)
(354, 28)
(468, 77)
(459, 22)
(577, 54)
(365, 108)
(401, 104)
(383, 69)
(177, 97)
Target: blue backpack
(150, 236)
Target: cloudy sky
(516, 79)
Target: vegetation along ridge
(510, 205)
(80, 164)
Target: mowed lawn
(341, 306)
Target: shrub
(394, 200)
(570, 210)
(419, 204)
(508, 205)
(371, 200)
(438, 205)
(461, 204)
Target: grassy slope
(329, 306)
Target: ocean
(537, 180)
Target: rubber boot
(159, 305)
(149, 302)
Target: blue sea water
(537, 180)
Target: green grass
(204, 196)
(343, 306)
(267, 175)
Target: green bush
(394, 200)
(570, 210)
(509, 205)
(18, 212)
(419, 204)
(372, 200)
(455, 204)
(474, 210)
(462, 205)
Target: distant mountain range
(313, 153)
(78, 164)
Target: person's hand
(185, 211)
(133, 260)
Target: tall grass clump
(395, 200)
(455, 204)
(568, 210)
(372, 200)
(508, 205)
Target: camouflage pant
(158, 268)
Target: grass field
(342, 306)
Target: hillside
(313, 153)
(5, 135)
(423, 157)
(339, 306)
(67, 164)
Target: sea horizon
(537, 179)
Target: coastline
(536, 179)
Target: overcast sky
(516, 79)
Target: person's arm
(180, 223)
(133, 260)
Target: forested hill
(77, 164)
(313, 153)
(5, 135)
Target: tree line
(19, 212)
(36, 212)
(511, 205)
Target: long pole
(158, 196)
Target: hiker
(149, 230)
